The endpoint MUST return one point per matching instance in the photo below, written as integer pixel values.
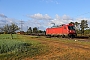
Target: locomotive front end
(72, 31)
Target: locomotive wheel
(63, 36)
(72, 36)
(48, 36)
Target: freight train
(64, 30)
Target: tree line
(34, 31)
(11, 29)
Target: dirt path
(58, 50)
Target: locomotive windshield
(71, 27)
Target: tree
(35, 30)
(40, 31)
(13, 28)
(29, 31)
(77, 27)
(6, 29)
(83, 26)
(10, 29)
(87, 31)
(71, 23)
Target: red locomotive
(62, 30)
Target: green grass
(7, 36)
(26, 46)
(19, 47)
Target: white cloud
(3, 16)
(11, 20)
(39, 16)
(62, 20)
(79, 19)
(5, 20)
(44, 21)
(66, 17)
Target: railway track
(81, 38)
(78, 38)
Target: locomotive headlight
(70, 31)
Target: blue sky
(41, 13)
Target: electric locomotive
(62, 30)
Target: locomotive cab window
(71, 27)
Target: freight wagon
(62, 30)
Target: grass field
(19, 47)
(26, 47)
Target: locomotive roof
(58, 26)
(62, 25)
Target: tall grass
(19, 47)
